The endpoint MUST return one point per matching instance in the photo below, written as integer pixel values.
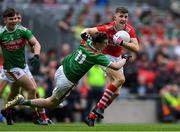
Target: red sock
(108, 93)
(92, 115)
(43, 115)
(108, 103)
(36, 114)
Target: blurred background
(151, 91)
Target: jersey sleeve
(103, 60)
(102, 28)
(132, 33)
(28, 34)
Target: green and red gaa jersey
(13, 46)
(78, 63)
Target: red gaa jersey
(113, 49)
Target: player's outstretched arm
(34, 61)
(36, 45)
(90, 31)
(118, 65)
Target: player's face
(121, 20)
(19, 18)
(10, 22)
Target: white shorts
(113, 59)
(14, 74)
(63, 86)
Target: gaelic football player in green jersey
(74, 67)
(13, 38)
(15, 88)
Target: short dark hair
(121, 10)
(10, 12)
(99, 37)
(18, 13)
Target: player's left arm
(32, 41)
(133, 45)
(35, 45)
(104, 61)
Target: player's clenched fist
(34, 61)
(126, 56)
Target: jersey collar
(121, 29)
(11, 31)
(89, 44)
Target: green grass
(83, 127)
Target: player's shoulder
(20, 27)
(109, 25)
(129, 27)
(2, 29)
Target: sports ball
(121, 34)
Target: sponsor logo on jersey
(14, 45)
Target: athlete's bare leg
(15, 88)
(28, 85)
(117, 78)
(50, 102)
(110, 93)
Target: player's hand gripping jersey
(13, 44)
(78, 63)
(113, 49)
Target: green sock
(26, 102)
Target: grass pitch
(83, 127)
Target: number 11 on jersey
(80, 58)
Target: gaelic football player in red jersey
(114, 52)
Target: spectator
(78, 29)
(146, 77)
(170, 103)
(96, 82)
(131, 74)
(162, 77)
(176, 39)
(176, 72)
(65, 26)
(65, 50)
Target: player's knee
(32, 90)
(120, 81)
(53, 102)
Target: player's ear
(114, 17)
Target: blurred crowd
(148, 73)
